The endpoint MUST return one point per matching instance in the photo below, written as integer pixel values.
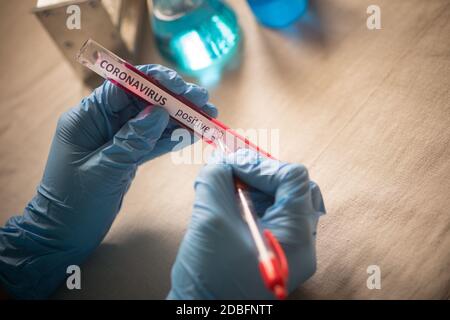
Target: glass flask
(195, 34)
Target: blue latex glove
(96, 150)
(217, 258)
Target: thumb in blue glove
(217, 258)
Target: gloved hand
(217, 258)
(96, 150)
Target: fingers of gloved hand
(119, 106)
(174, 82)
(210, 110)
(216, 233)
(167, 77)
(100, 115)
(216, 207)
(171, 80)
(267, 175)
(112, 99)
(206, 252)
(259, 200)
(289, 184)
(215, 198)
(297, 204)
(196, 94)
(109, 108)
(175, 137)
(293, 216)
(136, 139)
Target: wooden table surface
(368, 112)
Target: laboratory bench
(366, 111)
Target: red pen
(273, 264)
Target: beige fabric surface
(368, 112)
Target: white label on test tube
(126, 76)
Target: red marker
(273, 264)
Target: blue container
(278, 13)
(195, 34)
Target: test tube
(121, 73)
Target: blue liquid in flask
(195, 34)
